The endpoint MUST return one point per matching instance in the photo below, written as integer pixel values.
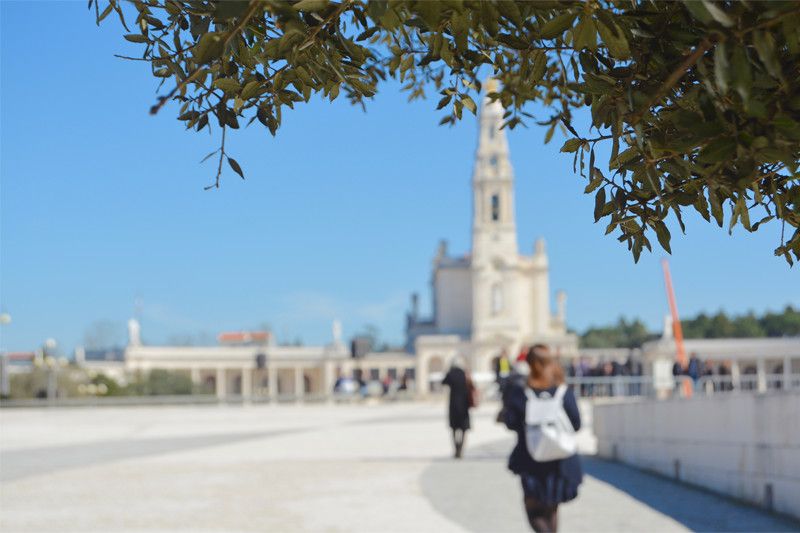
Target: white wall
(454, 300)
(736, 444)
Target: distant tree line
(632, 333)
(73, 382)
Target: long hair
(545, 370)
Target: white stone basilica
(493, 298)
(484, 302)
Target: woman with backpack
(544, 413)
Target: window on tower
(495, 207)
(493, 160)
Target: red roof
(243, 336)
(20, 356)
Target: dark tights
(543, 518)
(458, 440)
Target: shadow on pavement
(695, 508)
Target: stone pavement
(380, 467)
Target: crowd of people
(358, 384)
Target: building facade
(492, 298)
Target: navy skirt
(548, 490)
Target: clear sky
(339, 217)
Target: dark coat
(458, 410)
(550, 482)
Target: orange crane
(677, 331)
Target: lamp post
(51, 364)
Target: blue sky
(339, 216)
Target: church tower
(494, 234)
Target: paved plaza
(381, 467)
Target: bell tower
(494, 234)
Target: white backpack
(549, 434)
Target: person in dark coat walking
(458, 411)
(545, 485)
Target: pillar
(221, 383)
(272, 383)
(327, 380)
(787, 373)
(421, 376)
(761, 373)
(247, 383)
(195, 372)
(299, 389)
(736, 375)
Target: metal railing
(747, 383)
(648, 386)
(614, 386)
(584, 387)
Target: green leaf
(539, 66)
(585, 34)
(105, 13)
(208, 48)
(250, 89)
(229, 9)
(228, 85)
(235, 166)
(698, 11)
(718, 150)
(549, 134)
(366, 34)
(558, 25)
(310, 5)
(721, 68)
(597, 180)
(443, 102)
(614, 39)
(717, 13)
(742, 76)
(744, 214)
(765, 46)
(599, 204)
(628, 155)
(469, 103)
(572, 145)
(663, 235)
(510, 11)
(136, 38)
(716, 207)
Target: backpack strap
(529, 394)
(560, 392)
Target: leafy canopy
(698, 100)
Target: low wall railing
(584, 387)
(648, 386)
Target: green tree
(697, 327)
(786, 324)
(634, 333)
(623, 334)
(112, 387)
(699, 100)
(160, 382)
(748, 326)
